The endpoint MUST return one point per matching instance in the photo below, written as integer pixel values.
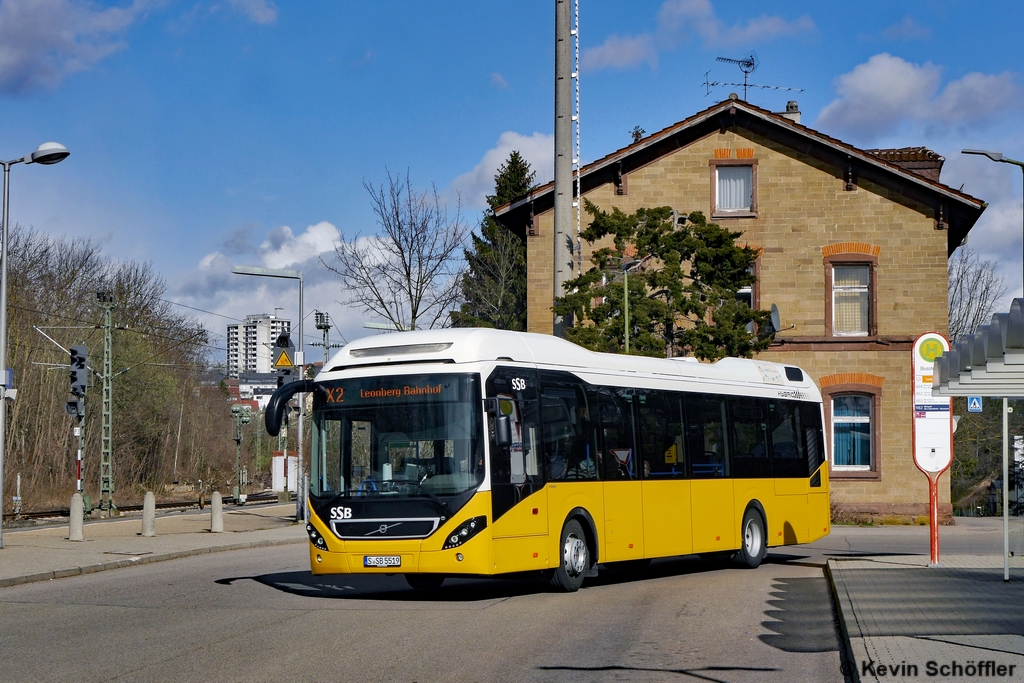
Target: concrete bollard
(216, 513)
(77, 518)
(149, 515)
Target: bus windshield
(413, 436)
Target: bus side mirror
(277, 407)
(503, 431)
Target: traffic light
(79, 373)
(284, 359)
(75, 408)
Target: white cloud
(282, 249)
(677, 21)
(997, 236)
(259, 11)
(907, 29)
(44, 41)
(878, 95)
(498, 81)
(473, 187)
(617, 52)
(211, 286)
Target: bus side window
(748, 426)
(814, 442)
(788, 457)
(660, 434)
(706, 442)
(617, 450)
(567, 428)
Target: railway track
(173, 505)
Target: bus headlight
(315, 538)
(464, 532)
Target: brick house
(854, 246)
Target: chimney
(792, 111)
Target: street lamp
(299, 360)
(625, 286)
(997, 156)
(45, 154)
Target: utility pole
(242, 415)
(563, 252)
(323, 323)
(106, 302)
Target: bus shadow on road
(392, 588)
(467, 589)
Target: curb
(143, 559)
(850, 662)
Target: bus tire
(575, 556)
(752, 537)
(424, 582)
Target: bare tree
(974, 289)
(407, 274)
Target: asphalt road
(259, 615)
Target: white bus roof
(475, 345)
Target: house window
(851, 432)
(851, 289)
(734, 188)
(851, 299)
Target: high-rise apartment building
(250, 342)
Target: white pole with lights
(47, 153)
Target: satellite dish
(775, 320)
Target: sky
(244, 132)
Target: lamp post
(998, 156)
(299, 361)
(47, 153)
(625, 287)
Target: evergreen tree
(494, 282)
(682, 288)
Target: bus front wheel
(568, 575)
(753, 548)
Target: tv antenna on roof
(747, 65)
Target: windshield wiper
(419, 482)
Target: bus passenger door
(518, 497)
(711, 487)
(665, 486)
(788, 522)
(623, 504)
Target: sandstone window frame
(851, 259)
(873, 472)
(717, 213)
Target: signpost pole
(933, 427)
(933, 516)
(1006, 507)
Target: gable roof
(958, 210)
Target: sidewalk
(904, 620)
(43, 553)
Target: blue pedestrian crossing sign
(974, 404)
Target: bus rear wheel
(424, 582)
(753, 549)
(568, 575)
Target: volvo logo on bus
(383, 529)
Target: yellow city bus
(481, 452)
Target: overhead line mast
(577, 160)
